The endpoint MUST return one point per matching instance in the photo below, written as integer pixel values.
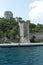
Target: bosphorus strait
(21, 55)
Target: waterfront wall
(39, 36)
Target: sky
(27, 9)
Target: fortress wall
(24, 32)
(39, 36)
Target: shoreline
(21, 45)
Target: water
(21, 56)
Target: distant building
(8, 14)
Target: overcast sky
(27, 9)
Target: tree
(1, 33)
(9, 27)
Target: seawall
(21, 45)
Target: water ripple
(21, 56)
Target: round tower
(8, 14)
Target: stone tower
(8, 14)
(24, 32)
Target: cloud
(36, 10)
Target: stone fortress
(24, 27)
(8, 15)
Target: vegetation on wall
(10, 27)
(35, 28)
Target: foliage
(32, 39)
(9, 28)
(35, 28)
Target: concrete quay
(21, 44)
